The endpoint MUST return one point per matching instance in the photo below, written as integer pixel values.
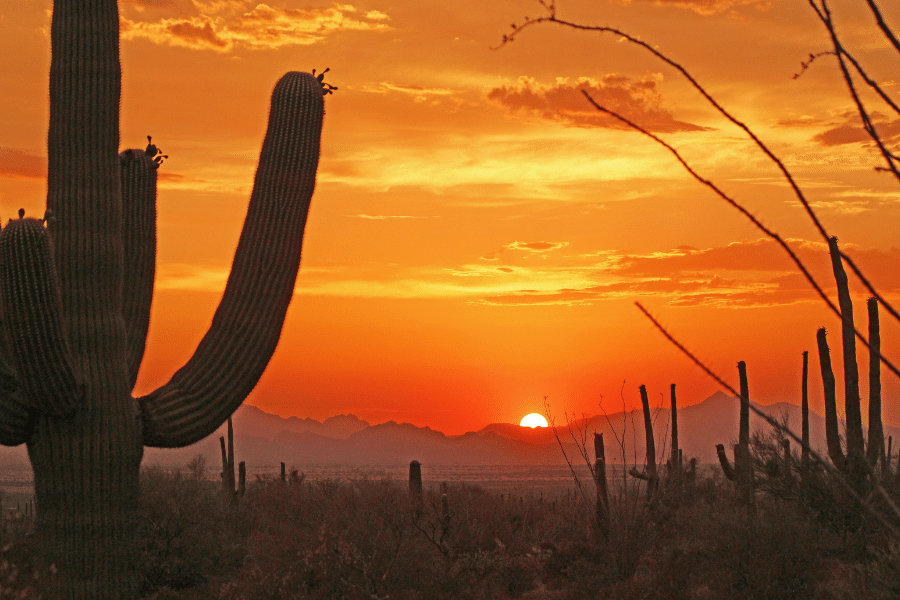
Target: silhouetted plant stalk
(742, 472)
(550, 6)
(675, 457)
(78, 320)
(875, 445)
(649, 474)
(415, 487)
(804, 413)
(828, 466)
(600, 482)
(228, 480)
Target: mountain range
(262, 439)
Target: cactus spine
(77, 309)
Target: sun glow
(533, 420)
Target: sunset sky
(479, 233)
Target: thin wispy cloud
(711, 7)
(536, 246)
(21, 164)
(386, 217)
(418, 92)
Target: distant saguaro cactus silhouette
(75, 311)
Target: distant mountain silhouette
(265, 439)
(700, 427)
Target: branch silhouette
(746, 213)
(551, 17)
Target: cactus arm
(138, 172)
(804, 410)
(83, 183)
(649, 439)
(723, 460)
(828, 389)
(853, 412)
(244, 333)
(15, 414)
(744, 423)
(31, 306)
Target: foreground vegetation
(801, 537)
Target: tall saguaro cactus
(75, 299)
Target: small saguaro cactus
(742, 472)
(600, 483)
(228, 481)
(649, 474)
(75, 311)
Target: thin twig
(550, 6)
(744, 212)
(884, 26)
(824, 14)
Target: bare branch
(824, 15)
(882, 25)
(551, 18)
(805, 64)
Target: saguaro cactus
(228, 480)
(75, 300)
(742, 473)
(875, 445)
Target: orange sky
(478, 234)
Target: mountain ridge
(264, 439)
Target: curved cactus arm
(138, 171)
(31, 306)
(244, 333)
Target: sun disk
(533, 420)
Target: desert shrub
(21, 574)
(190, 534)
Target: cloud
(225, 25)
(385, 217)
(850, 133)
(536, 246)
(637, 100)
(191, 277)
(737, 275)
(845, 127)
(418, 92)
(711, 7)
(140, 4)
(21, 164)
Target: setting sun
(533, 420)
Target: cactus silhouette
(76, 299)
